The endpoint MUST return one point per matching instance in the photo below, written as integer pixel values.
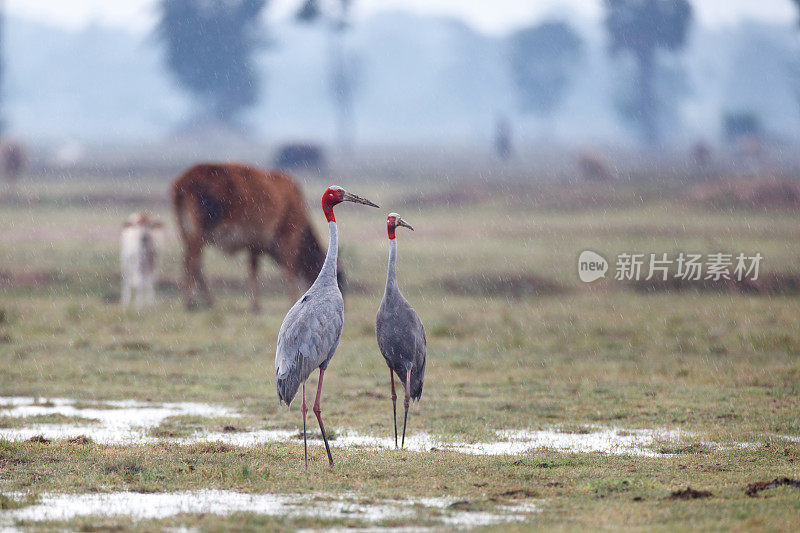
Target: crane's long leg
(304, 409)
(405, 404)
(394, 405)
(318, 412)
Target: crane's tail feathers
(416, 388)
(287, 388)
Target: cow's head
(142, 220)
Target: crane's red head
(394, 220)
(335, 195)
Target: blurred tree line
(643, 28)
(2, 65)
(209, 49)
(544, 57)
(335, 15)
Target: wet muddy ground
(133, 422)
(589, 403)
(65, 507)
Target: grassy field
(722, 368)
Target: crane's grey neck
(329, 267)
(391, 278)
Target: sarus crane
(401, 336)
(311, 330)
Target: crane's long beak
(350, 197)
(401, 222)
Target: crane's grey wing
(401, 339)
(307, 338)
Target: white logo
(591, 266)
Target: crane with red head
(310, 333)
(401, 336)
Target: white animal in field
(139, 258)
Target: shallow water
(514, 442)
(154, 506)
(118, 422)
(129, 422)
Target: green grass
(55, 418)
(187, 425)
(723, 368)
(9, 503)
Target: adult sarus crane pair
(311, 330)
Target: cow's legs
(194, 275)
(253, 282)
(190, 261)
(150, 292)
(139, 295)
(125, 297)
(201, 283)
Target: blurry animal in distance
(13, 160)
(301, 156)
(238, 207)
(139, 259)
(701, 154)
(750, 150)
(503, 145)
(594, 166)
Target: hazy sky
(490, 16)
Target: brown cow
(237, 207)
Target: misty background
(402, 78)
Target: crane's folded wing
(307, 336)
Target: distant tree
(209, 49)
(641, 28)
(335, 14)
(794, 66)
(2, 63)
(542, 60)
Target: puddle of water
(129, 422)
(514, 442)
(154, 506)
(119, 422)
